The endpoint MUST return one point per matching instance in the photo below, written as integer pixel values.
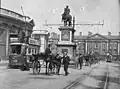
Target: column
(44, 37)
(107, 46)
(118, 47)
(60, 35)
(86, 48)
(70, 36)
(7, 41)
(101, 48)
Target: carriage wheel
(50, 67)
(36, 67)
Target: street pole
(98, 27)
(25, 24)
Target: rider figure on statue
(66, 10)
(66, 17)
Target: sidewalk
(4, 63)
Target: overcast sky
(85, 11)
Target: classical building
(42, 36)
(95, 43)
(12, 24)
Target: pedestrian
(80, 60)
(58, 59)
(66, 60)
(47, 55)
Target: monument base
(66, 43)
(69, 48)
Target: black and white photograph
(59, 44)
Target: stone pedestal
(66, 43)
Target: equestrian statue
(66, 17)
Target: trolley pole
(25, 25)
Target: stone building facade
(12, 23)
(42, 36)
(95, 43)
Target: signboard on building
(34, 42)
(13, 40)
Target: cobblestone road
(16, 79)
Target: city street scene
(60, 44)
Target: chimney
(80, 33)
(109, 33)
(89, 33)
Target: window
(29, 50)
(110, 45)
(32, 51)
(104, 45)
(115, 45)
(16, 49)
(96, 45)
(64, 50)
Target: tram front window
(16, 49)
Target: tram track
(71, 85)
(106, 78)
(119, 75)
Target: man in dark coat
(80, 60)
(47, 54)
(66, 60)
(58, 62)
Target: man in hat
(58, 63)
(66, 60)
(47, 55)
(80, 60)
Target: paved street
(97, 78)
(90, 78)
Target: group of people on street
(58, 60)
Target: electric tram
(16, 49)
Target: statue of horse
(67, 19)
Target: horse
(67, 18)
(51, 62)
(54, 64)
(88, 60)
(79, 61)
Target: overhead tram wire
(72, 24)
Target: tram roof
(18, 44)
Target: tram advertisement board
(65, 35)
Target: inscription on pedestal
(65, 35)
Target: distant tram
(108, 57)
